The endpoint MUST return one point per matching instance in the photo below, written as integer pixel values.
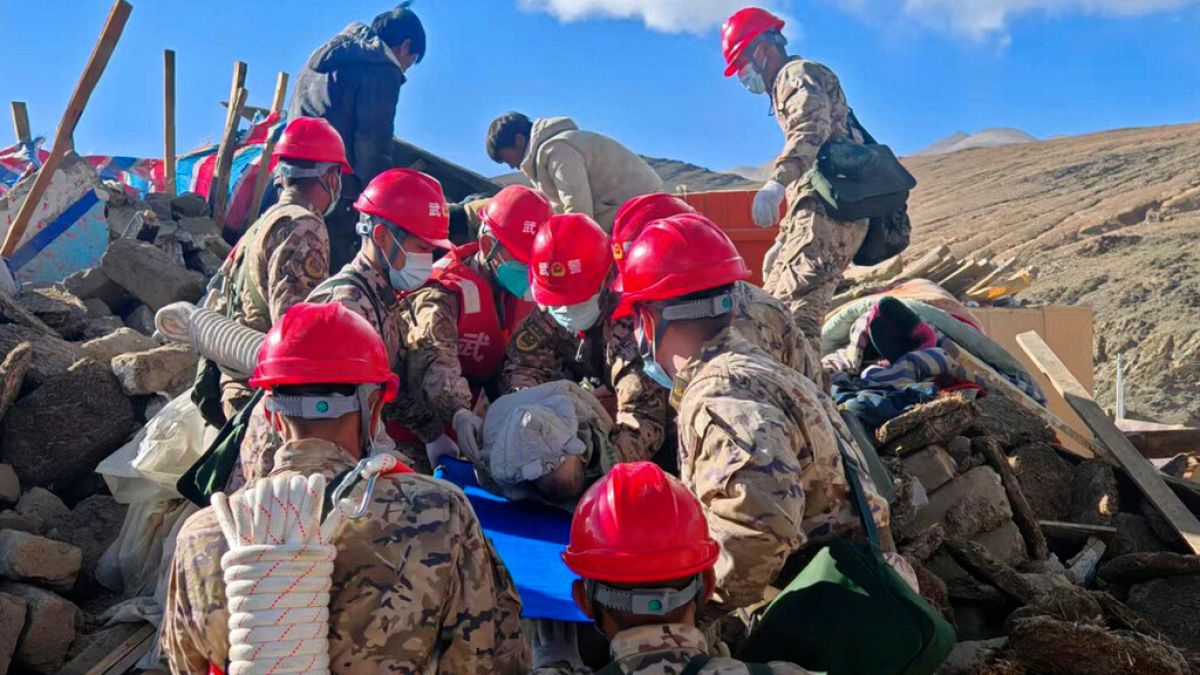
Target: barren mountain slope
(1112, 221)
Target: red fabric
(953, 386)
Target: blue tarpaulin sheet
(529, 537)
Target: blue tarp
(528, 537)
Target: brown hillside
(1111, 220)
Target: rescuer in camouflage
(416, 584)
(574, 336)
(758, 443)
(284, 254)
(812, 250)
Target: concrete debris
(935, 423)
(1095, 499)
(141, 319)
(52, 355)
(121, 341)
(10, 486)
(45, 562)
(51, 625)
(57, 308)
(168, 370)
(150, 274)
(12, 374)
(932, 466)
(43, 504)
(1004, 543)
(1044, 477)
(64, 428)
(94, 284)
(971, 503)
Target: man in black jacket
(354, 81)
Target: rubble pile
(1044, 562)
(81, 373)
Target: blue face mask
(752, 79)
(513, 277)
(579, 317)
(650, 366)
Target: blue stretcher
(529, 537)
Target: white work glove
(442, 447)
(766, 204)
(174, 321)
(468, 427)
(555, 642)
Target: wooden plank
(113, 27)
(264, 162)
(111, 647)
(1139, 468)
(1055, 529)
(963, 266)
(1165, 443)
(126, 663)
(923, 264)
(20, 115)
(217, 198)
(965, 278)
(992, 276)
(999, 384)
(169, 121)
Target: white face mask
(418, 267)
(579, 317)
(752, 79)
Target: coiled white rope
(278, 573)
(279, 567)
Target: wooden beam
(1139, 468)
(997, 383)
(113, 27)
(992, 276)
(966, 277)
(1056, 529)
(264, 161)
(114, 650)
(169, 121)
(20, 115)
(217, 198)
(1164, 443)
(924, 264)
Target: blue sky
(914, 70)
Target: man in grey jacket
(353, 81)
(579, 171)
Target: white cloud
(981, 19)
(668, 16)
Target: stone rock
(1137, 567)
(1094, 496)
(1045, 479)
(1005, 543)
(45, 562)
(12, 621)
(52, 355)
(934, 423)
(218, 247)
(1044, 645)
(97, 308)
(61, 431)
(1134, 535)
(932, 466)
(10, 485)
(199, 226)
(160, 203)
(94, 284)
(51, 624)
(968, 658)
(1011, 425)
(121, 341)
(971, 503)
(141, 319)
(105, 325)
(204, 261)
(168, 369)
(959, 448)
(43, 504)
(14, 312)
(1173, 604)
(91, 526)
(11, 520)
(153, 406)
(12, 374)
(149, 274)
(1159, 525)
(188, 205)
(57, 308)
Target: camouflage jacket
(417, 587)
(666, 649)
(811, 109)
(542, 351)
(757, 445)
(768, 325)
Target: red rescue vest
(482, 338)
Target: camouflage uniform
(667, 649)
(542, 351)
(284, 256)
(416, 585)
(757, 445)
(813, 249)
(258, 448)
(767, 324)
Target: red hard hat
(323, 344)
(570, 259)
(514, 216)
(312, 139)
(678, 256)
(743, 28)
(411, 201)
(634, 215)
(639, 525)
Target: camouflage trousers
(810, 255)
